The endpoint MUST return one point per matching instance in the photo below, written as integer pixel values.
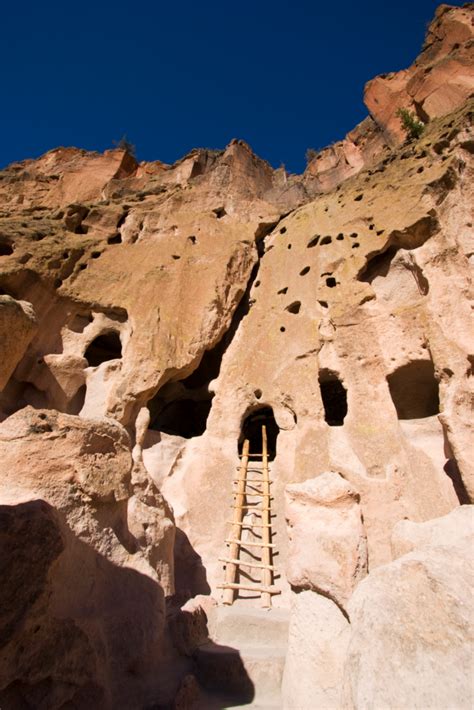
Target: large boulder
(412, 640)
(317, 643)
(328, 546)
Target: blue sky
(172, 76)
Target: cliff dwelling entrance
(104, 348)
(414, 390)
(181, 417)
(334, 396)
(252, 430)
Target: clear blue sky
(284, 76)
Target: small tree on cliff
(410, 123)
(124, 144)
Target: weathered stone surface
(317, 645)
(328, 546)
(412, 636)
(168, 303)
(17, 328)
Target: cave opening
(252, 430)
(414, 390)
(180, 417)
(334, 396)
(104, 348)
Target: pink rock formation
(148, 312)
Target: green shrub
(410, 123)
(310, 155)
(124, 144)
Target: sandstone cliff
(147, 310)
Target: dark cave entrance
(334, 396)
(104, 348)
(414, 390)
(252, 430)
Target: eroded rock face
(84, 541)
(147, 311)
(412, 638)
(328, 547)
(317, 647)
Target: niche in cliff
(104, 348)
(414, 390)
(334, 397)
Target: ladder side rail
(267, 576)
(236, 532)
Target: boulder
(412, 640)
(317, 643)
(328, 546)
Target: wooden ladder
(248, 488)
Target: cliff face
(147, 310)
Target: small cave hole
(313, 242)
(355, 245)
(252, 430)
(324, 304)
(181, 417)
(192, 239)
(358, 198)
(282, 329)
(414, 390)
(96, 254)
(340, 237)
(175, 257)
(331, 282)
(104, 348)
(283, 230)
(282, 291)
(220, 212)
(294, 307)
(334, 396)
(289, 246)
(258, 394)
(305, 271)
(5, 249)
(354, 235)
(257, 284)
(326, 240)
(115, 239)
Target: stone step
(239, 625)
(251, 674)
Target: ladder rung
(252, 507)
(246, 543)
(250, 588)
(241, 563)
(251, 456)
(251, 525)
(258, 493)
(249, 480)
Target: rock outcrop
(412, 642)
(147, 311)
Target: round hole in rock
(258, 393)
(334, 396)
(331, 282)
(355, 245)
(282, 329)
(340, 237)
(5, 249)
(192, 239)
(257, 284)
(294, 307)
(96, 254)
(104, 348)
(252, 430)
(305, 271)
(414, 390)
(289, 246)
(283, 230)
